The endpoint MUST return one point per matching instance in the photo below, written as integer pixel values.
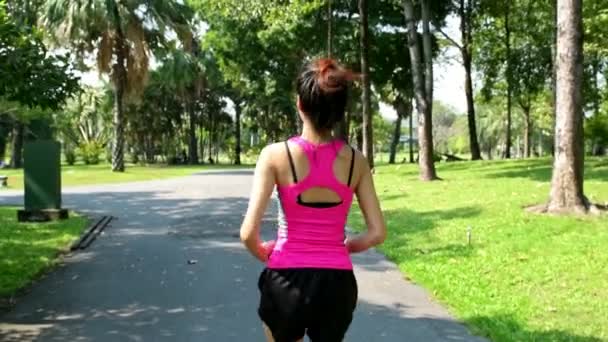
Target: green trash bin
(42, 182)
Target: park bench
(3, 181)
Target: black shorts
(316, 302)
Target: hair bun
(331, 76)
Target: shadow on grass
(404, 220)
(540, 170)
(447, 251)
(484, 165)
(505, 328)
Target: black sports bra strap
(293, 167)
(352, 165)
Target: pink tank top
(313, 237)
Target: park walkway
(135, 283)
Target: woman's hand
(265, 249)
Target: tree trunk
(567, 182)
(217, 146)
(237, 130)
(427, 47)
(149, 151)
(368, 142)
(395, 141)
(425, 125)
(192, 140)
(473, 141)
(210, 142)
(527, 131)
(359, 137)
(411, 127)
(17, 148)
(596, 84)
(508, 78)
(554, 74)
(120, 84)
(466, 26)
(3, 137)
(330, 18)
(201, 133)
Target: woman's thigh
(269, 335)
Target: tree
(466, 10)
(404, 111)
(183, 72)
(29, 75)
(123, 34)
(423, 85)
(368, 142)
(533, 60)
(508, 74)
(444, 118)
(259, 48)
(490, 115)
(566, 193)
(494, 57)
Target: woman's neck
(315, 137)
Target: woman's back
(315, 185)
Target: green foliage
(29, 74)
(383, 132)
(70, 156)
(458, 141)
(491, 124)
(90, 152)
(595, 13)
(596, 132)
(450, 132)
(86, 118)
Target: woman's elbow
(379, 236)
(245, 235)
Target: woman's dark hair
(323, 90)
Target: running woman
(308, 286)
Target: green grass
(28, 250)
(101, 174)
(525, 277)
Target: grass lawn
(101, 174)
(525, 277)
(27, 250)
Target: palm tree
(123, 33)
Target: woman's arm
(263, 184)
(370, 206)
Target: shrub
(70, 156)
(90, 152)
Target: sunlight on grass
(525, 277)
(27, 250)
